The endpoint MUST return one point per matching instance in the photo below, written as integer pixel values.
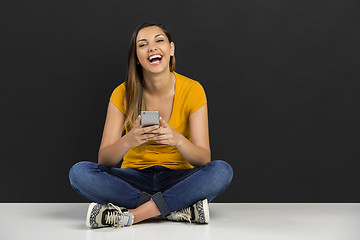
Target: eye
(142, 45)
(160, 40)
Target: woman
(166, 169)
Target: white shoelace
(183, 214)
(115, 217)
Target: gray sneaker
(197, 213)
(109, 215)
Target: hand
(166, 134)
(139, 135)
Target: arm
(113, 146)
(197, 152)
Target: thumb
(137, 122)
(163, 122)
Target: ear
(172, 49)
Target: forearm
(111, 155)
(195, 155)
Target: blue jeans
(171, 190)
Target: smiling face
(153, 49)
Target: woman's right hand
(139, 135)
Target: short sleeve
(117, 97)
(197, 97)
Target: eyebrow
(154, 37)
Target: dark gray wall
(281, 77)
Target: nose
(152, 47)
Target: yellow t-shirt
(189, 97)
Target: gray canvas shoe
(197, 213)
(109, 215)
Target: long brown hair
(134, 84)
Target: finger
(161, 137)
(163, 131)
(164, 142)
(160, 130)
(149, 129)
(150, 135)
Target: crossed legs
(128, 187)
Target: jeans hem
(144, 197)
(160, 202)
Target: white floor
(66, 221)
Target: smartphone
(149, 118)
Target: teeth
(155, 56)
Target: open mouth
(155, 59)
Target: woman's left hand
(167, 135)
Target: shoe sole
(206, 210)
(91, 206)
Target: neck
(158, 83)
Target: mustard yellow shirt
(189, 97)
